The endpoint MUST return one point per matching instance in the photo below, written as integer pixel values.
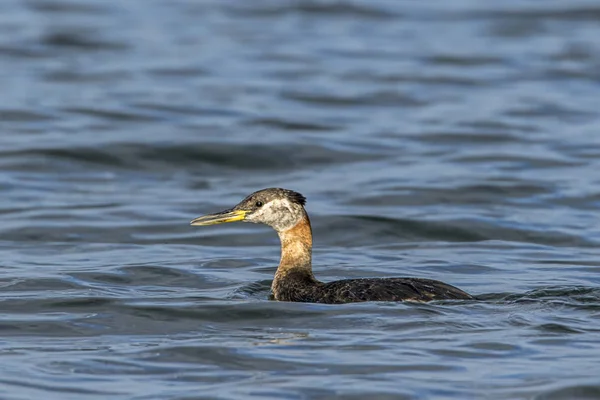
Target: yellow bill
(220, 218)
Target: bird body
(284, 211)
(302, 288)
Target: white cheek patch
(281, 214)
(275, 211)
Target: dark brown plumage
(284, 210)
(301, 287)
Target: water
(449, 140)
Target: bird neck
(296, 253)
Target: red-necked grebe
(283, 210)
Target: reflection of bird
(283, 210)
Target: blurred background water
(450, 140)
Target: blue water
(457, 141)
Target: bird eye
(259, 203)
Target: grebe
(283, 210)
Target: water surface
(455, 141)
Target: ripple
(137, 156)
(581, 392)
(60, 7)
(339, 9)
(24, 116)
(80, 41)
(290, 125)
(383, 98)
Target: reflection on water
(454, 141)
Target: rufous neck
(296, 247)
